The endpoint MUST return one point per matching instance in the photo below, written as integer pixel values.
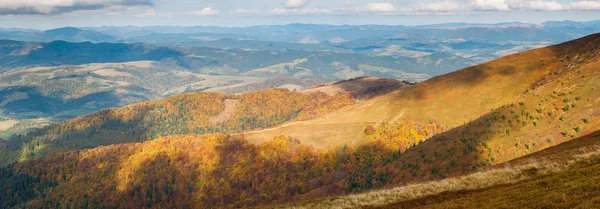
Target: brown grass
(459, 97)
(228, 111)
(577, 164)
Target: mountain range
(54, 81)
(461, 39)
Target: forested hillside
(42, 83)
(198, 113)
(189, 171)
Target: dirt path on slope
(230, 105)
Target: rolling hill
(22, 54)
(51, 82)
(197, 113)
(490, 114)
(70, 34)
(480, 42)
(565, 71)
(285, 146)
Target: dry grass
(4, 125)
(384, 197)
(228, 111)
(452, 99)
(112, 73)
(552, 162)
(576, 187)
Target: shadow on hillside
(30, 102)
(368, 87)
(73, 135)
(17, 187)
(246, 175)
(467, 148)
(574, 52)
(243, 175)
(558, 153)
(67, 53)
(159, 182)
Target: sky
(47, 14)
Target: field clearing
(112, 73)
(228, 111)
(7, 124)
(278, 68)
(291, 87)
(337, 134)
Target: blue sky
(44, 14)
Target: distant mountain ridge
(48, 82)
(17, 53)
(292, 33)
(70, 34)
(478, 42)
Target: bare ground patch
(230, 105)
(112, 73)
(5, 125)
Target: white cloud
(448, 6)
(299, 11)
(291, 4)
(246, 12)
(490, 5)
(535, 5)
(584, 5)
(297, 7)
(153, 13)
(47, 7)
(381, 7)
(444, 6)
(208, 11)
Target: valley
(50, 82)
(134, 64)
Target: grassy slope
(576, 187)
(460, 97)
(498, 111)
(563, 176)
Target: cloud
(536, 5)
(292, 4)
(48, 7)
(490, 5)
(584, 6)
(246, 12)
(438, 7)
(449, 6)
(299, 11)
(298, 7)
(381, 7)
(205, 12)
(153, 13)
